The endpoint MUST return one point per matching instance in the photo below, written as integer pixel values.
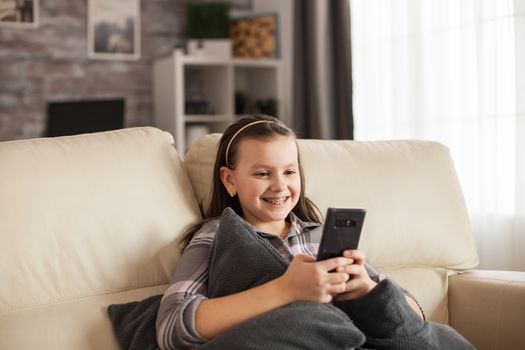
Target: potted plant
(207, 24)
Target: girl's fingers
(336, 277)
(358, 256)
(331, 264)
(352, 285)
(336, 289)
(353, 269)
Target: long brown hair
(227, 152)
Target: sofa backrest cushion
(416, 214)
(416, 229)
(89, 215)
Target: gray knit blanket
(239, 260)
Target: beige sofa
(90, 220)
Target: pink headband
(237, 133)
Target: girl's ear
(228, 180)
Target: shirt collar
(297, 227)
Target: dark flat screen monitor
(79, 117)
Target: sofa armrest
(488, 308)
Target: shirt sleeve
(374, 275)
(187, 289)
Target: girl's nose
(278, 184)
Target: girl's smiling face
(266, 180)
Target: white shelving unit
(216, 80)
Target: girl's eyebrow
(260, 165)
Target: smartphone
(341, 231)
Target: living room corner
(117, 119)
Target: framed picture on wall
(19, 13)
(114, 29)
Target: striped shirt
(188, 286)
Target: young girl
(258, 174)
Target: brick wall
(49, 63)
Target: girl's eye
(262, 174)
(291, 172)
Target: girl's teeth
(276, 201)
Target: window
(453, 72)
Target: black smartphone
(341, 231)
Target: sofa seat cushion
(80, 324)
(429, 285)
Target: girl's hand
(308, 280)
(359, 283)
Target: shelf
(247, 62)
(211, 84)
(240, 62)
(204, 61)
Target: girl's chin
(272, 215)
(278, 215)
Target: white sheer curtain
(452, 71)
